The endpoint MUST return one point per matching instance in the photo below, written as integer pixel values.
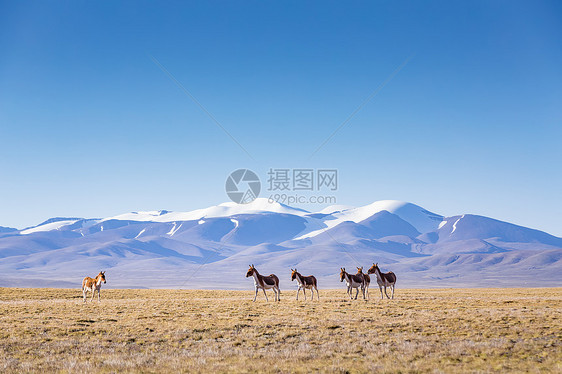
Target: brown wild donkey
(93, 285)
(264, 283)
(367, 280)
(383, 279)
(352, 281)
(305, 283)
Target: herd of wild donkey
(262, 282)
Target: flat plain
(426, 330)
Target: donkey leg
(266, 299)
(317, 294)
(256, 295)
(380, 288)
(393, 290)
(84, 294)
(99, 295)
(278, 294)
(386, 293)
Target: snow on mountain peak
(53, 225)
(335, 209)
(260, 205)
(58, 223)
(421, 219)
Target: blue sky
(91, 126)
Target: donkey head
(102, 276)
(250, 271)
(342, 274)
(293, 274)
(359, 270)
(373, 268)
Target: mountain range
(212, 248)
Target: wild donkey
(367, 280)
(305, 283)
(264, 283)
(383, 279)
(93, 285)
(352, 281)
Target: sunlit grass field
(445, 330)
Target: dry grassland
(450, 330)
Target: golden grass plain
(427, 330)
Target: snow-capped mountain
(180, 249)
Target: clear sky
(91, 126)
